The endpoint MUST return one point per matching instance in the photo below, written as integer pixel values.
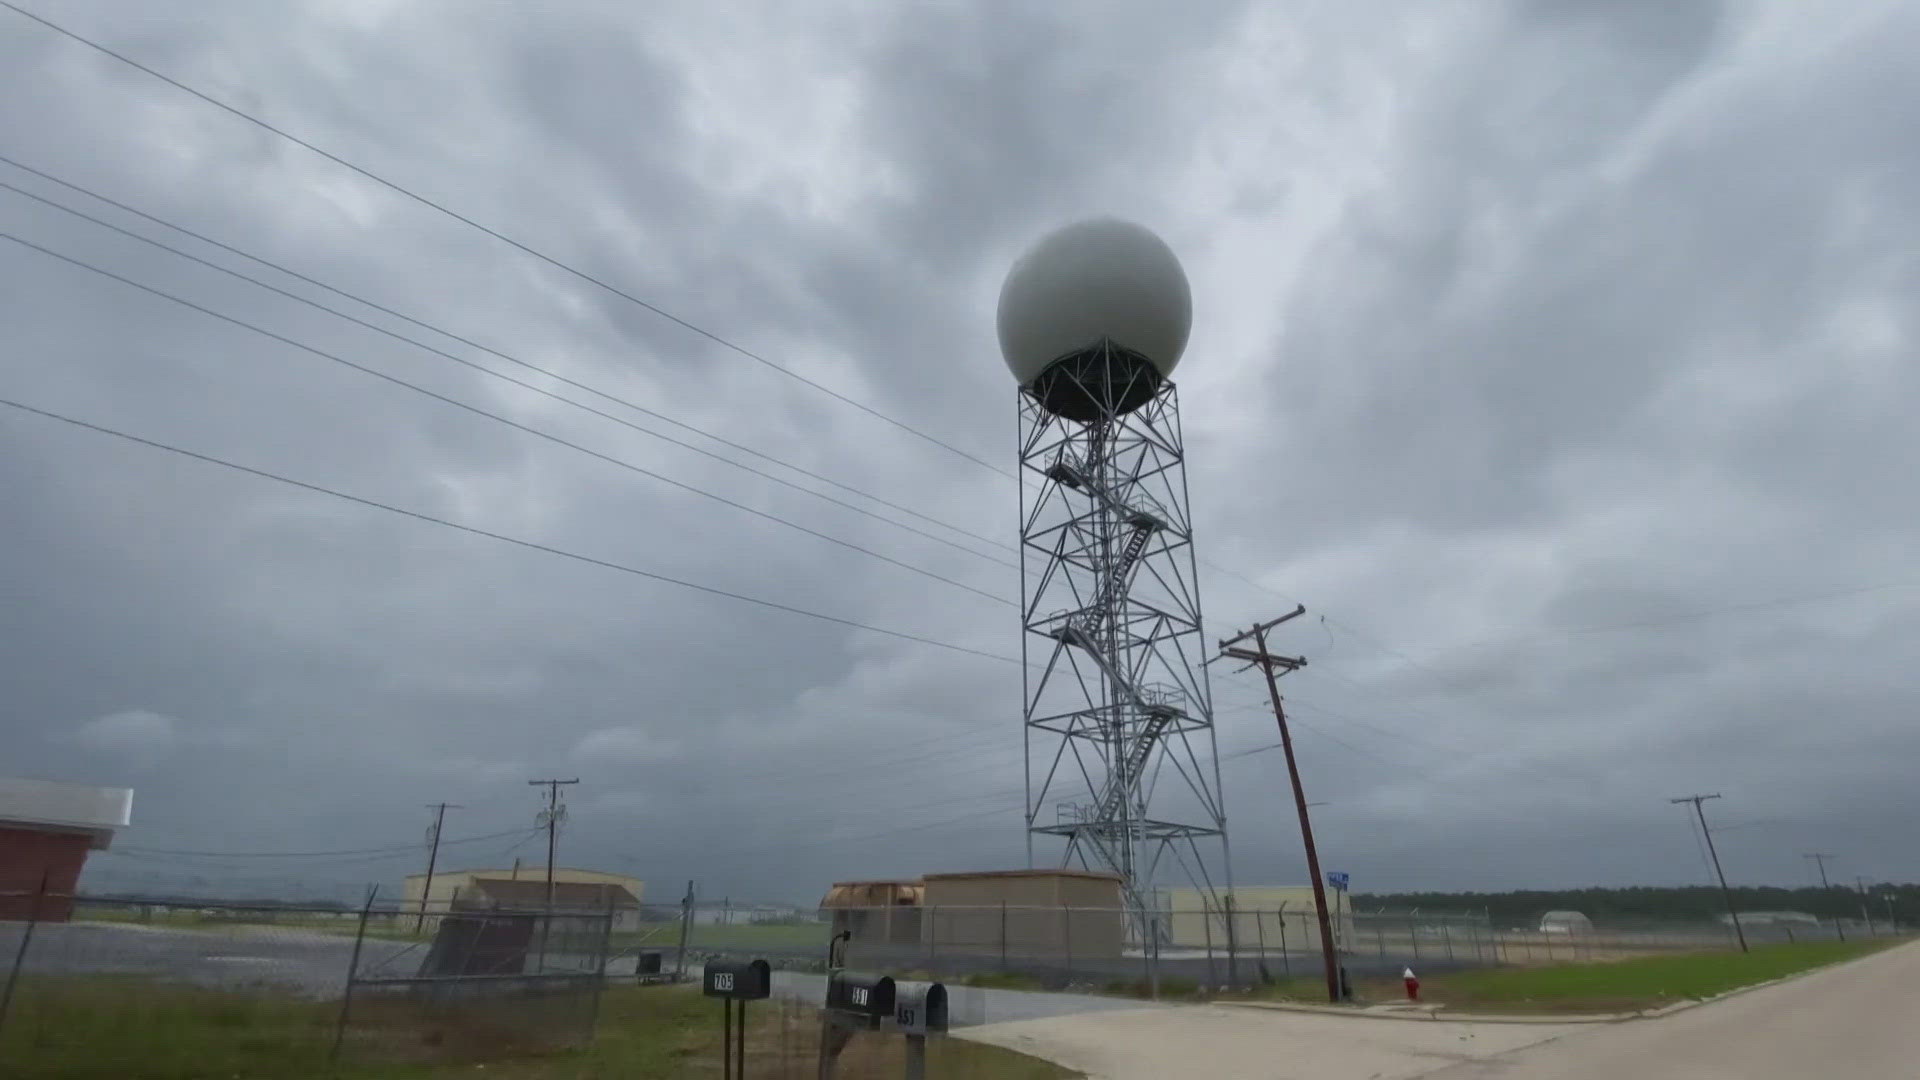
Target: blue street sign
(1336, 879)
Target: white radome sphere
(1093, 279)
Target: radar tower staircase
(1094, 630)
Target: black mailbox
(737, 980)
(857, 994)
(921, 1011)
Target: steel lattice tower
(1120, 752)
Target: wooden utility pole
(552, 814)
(1725, 893)
(1820, 858)
(433, 856)
(1259, 657)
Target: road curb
(1436, 1013)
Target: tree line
(1656, 903)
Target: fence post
(20, 955)
(1206, 927)
(1260, 933)
(1066, 936)
(933, 933)
(353, 972)
(1153, 958)
(1003, 935)
(686, 921)
(600, 980)
(1286, 959)
(1233, 941)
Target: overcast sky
(1558, 354)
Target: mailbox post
(734, 981)
(918, 1014)
(856, 1001)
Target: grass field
(1621, 986)
(109, 1028)
(797, 937)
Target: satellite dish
(1094, 317)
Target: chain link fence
(1106, 949)
(477, 982)
(1089, 948)
(373, 983)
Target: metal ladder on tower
(1085, 628)
(1159, 714)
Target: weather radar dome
(1094, 317)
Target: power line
(515, 424)
(408, 849)
(549, 373)
(536, 253)
(502, 237)
(502, 537)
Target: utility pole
(433, 856)
(1725, 893)
(1259, 657)
(1820, 858)
(551, 816)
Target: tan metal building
(1025, 912)
(447, 884)
(875, 912)
(1194, 919)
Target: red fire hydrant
(1413, 984)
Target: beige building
(473, 884)
(875, 912)
(1195, 919)
(1067, 913)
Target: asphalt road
(1851, 1021)
(305, 961)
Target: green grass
(115, 1028)
(1620, 986)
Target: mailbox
(855, 994)
(921, 1011)
(738, 980)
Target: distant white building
(1565, 922)
(1771, 918)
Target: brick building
(46, 830)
